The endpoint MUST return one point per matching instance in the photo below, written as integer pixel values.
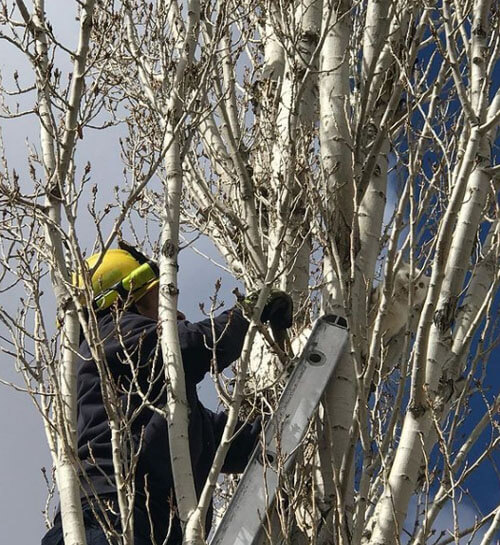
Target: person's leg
(93, 531)
(55, 535)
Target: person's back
(132, 358)
(128, 385)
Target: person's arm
(197, 342)
(243, 444)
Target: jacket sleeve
(242, 446)
(227, 333)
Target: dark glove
(278, 310)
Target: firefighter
(125, 286)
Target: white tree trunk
(337, 166)
(68, 482)
(335, 130)
(392, 508)
(56, 169)
(178, 408)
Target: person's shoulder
(127, 322)
(131, 330)
(135, 319)
(133, 323)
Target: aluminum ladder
(284, 433)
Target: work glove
(278, 310)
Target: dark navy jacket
(134, 343)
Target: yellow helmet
(120, 275)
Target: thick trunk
(374, 37)
(294, 129)
(335, 133)
(339, 402)
(392, 508)
(297, 243)
(337, 169)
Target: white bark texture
(178, 409)
(56, 163)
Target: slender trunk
(178, 408)
(480, 283)
(492, 531)
(443, 494)
(67, 479)
(56, 174)
(471, 213)
(177, 403)
(197, 521)
(446, 282)
(194, 531)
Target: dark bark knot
(371, 131)
(170, 289)
(479, 32)
(445, 316)
(446, 388)
(169, 248)
(417, 410)
(310, 37)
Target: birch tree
(346, 152)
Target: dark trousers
(94, 533)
